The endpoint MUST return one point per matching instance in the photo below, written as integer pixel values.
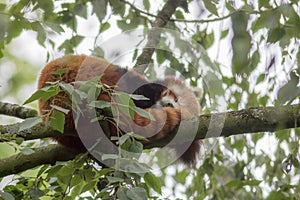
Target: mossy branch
(252, 120)
(43, 155)
(15, 110)
(246, 121)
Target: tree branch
(246, 121)
(16, 110)
(154, 35)
(43, 155)
(39, 131)
(252, 120)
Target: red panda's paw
(166, 119)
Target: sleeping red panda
(170, 98)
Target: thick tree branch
(252, 120)
(16, 110)
(41, 130)
(205, 126)
(43, 155)
(154, 35)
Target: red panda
(170, 98)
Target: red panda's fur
(83, 68)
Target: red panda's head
(179, 96)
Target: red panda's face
(179, 96)
(168, 99)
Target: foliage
(252, 49)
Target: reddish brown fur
(83, 68)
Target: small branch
(16, 110)
(132, 6)
(43, 155)
(137, 9)
(154, 35)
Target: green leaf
(146, 4)
(142, 113)
(208, 40)
(6, 196)
(37, 26)
(268, 20)
(275, 35)
(80, 9)
(100, 104)
(27, 151)
(14, 29)
(137, 193)
(160, 56)
(264, 3)
(54, 26)
(45, 93)
(153, 182)
(123, 139)
(90, 185)
(136, 147)
(60, 71)
(179, 14)
(224, 34)
(241, 43)
(2, 6)
(112, 179)
(75, 180)
(109, 156)
(68, 88)
(210, 5)
(138, 97)
(234, 183)
(29, 122)
(104, 27)
(121, 194)
(238, 145)
(61, 109)
(213, 84)
(181, 176)
(57, 120)
(298, 60)
(252, 182)
(35, 96)
(290, 90)
(118, 7)
(138, 137)
(255, 59)
(260, 78)
(66, 170)
(99, 8)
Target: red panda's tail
(189, 157)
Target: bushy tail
(189, 157)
